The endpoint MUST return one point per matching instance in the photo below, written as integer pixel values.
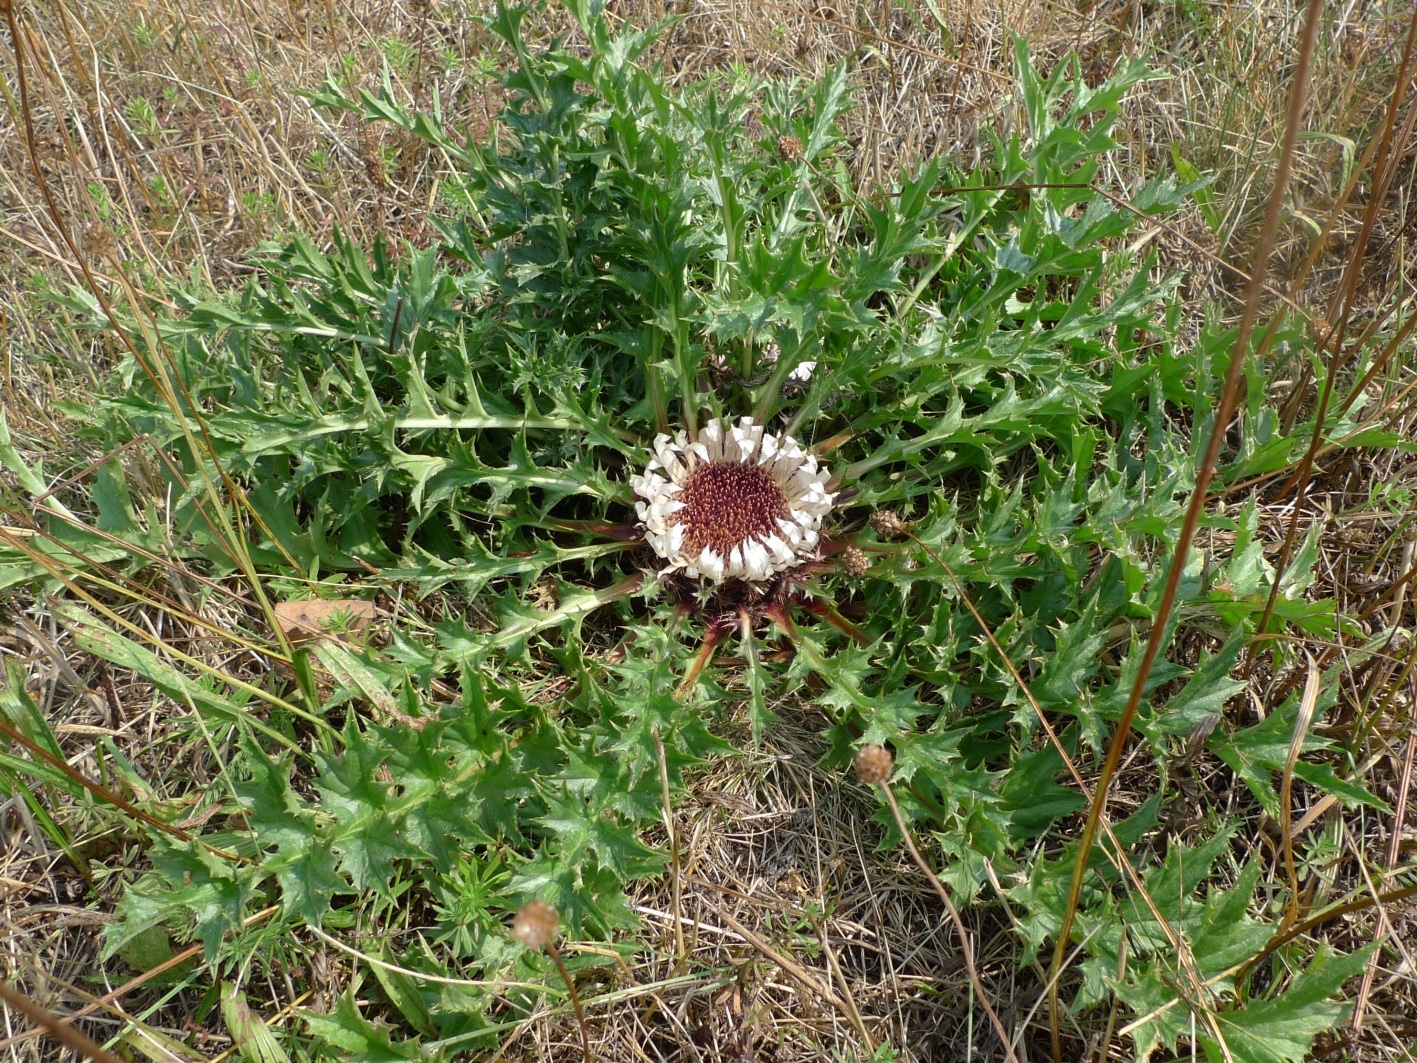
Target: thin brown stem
(964, 942)
(1284, 936)
(56, 1027)
(555, 955)
(1224, 411)
(1385, 172)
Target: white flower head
(736, 503)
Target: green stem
(331, 427)
(655, 377)
(687, 396)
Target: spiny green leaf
(349, 1030)
(1204, 695)
(1259, 752)
(1282, 1029)
(1071, 662)
(1033, 797)
(308, 880)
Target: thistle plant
(666, 374)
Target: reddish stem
(622, 532)
(777, 613)
(831, 616)
(712, 637)
(575, 998)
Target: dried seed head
(854, 562)
(535, 924)
(789, 148)
(873, 764)
(1320, 331)
(888, 524)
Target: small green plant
(400, 54)
(975, 349)
(102, 202)
(144, 35)
(161, 194)
(140, 113)
(257, 203)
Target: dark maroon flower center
(727, 503)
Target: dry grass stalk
(59, 1030)
(1302, 720)
(1229, 397)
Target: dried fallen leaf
(315, 618)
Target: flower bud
(888, 524)
(535, 924)
(854, 562)
(873, 764)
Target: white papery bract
(738, 502)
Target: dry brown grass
(173, 138)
